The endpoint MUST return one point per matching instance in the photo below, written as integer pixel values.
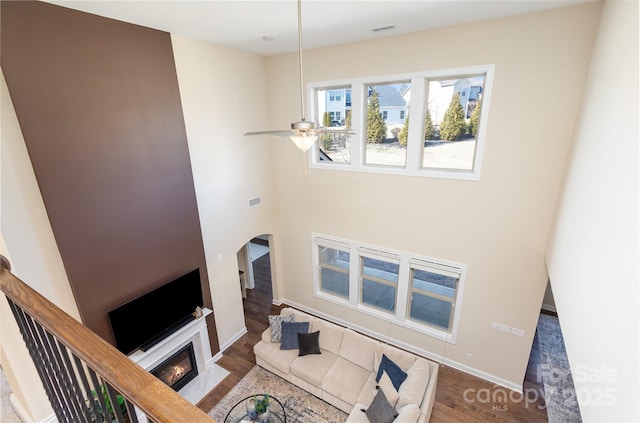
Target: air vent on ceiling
(383, 28)
(254, 201)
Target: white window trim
(415, 149)
(317, 242)
(406, 260)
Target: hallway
(549, 373)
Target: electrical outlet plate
(517, 332)
(504, 328)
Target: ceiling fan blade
(335, 131)
(281, 133)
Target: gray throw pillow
(275, 323)
(290, 331)
(380, 411)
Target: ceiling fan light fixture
(304, 140)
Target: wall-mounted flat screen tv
(148, 319)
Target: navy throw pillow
(396, 374)
(290, 331)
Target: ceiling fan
(303, 133)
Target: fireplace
(178, 369)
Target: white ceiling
(241, 24)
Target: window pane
(434, 283)
(334, 275)
(385, 104)
(452, 119)
(380, 269)
(334, 111)
(379, 282)
(429, 310)
(378, 295)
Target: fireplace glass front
(179, 369)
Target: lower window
(379, 282)
(334, 271)
(420, 293)
(432, 297)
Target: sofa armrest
(430, 394)
(266, 335)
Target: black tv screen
(151, 317)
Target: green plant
(453, 123)
(428, 126)
(475, 118)
(262, 404)
(327, 141)
(402, 136)
(119, 398)
(376, 128)
(326, 119)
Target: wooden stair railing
(83, 374)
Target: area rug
(300, 406)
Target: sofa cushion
(345, 380)
(394, 371)
(309, 343)
(410, 413)
(330, 335)
(290, 330)
(380, 411)
(275, 324)
(272, 354)
(358, 349)
(387, 387)
(415, 385)
(313, 368)
(403, 359)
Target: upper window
(444, 139)
(382, 145)
(452, 120)
(330, 111)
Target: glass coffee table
(238, 413)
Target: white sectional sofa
(344, 373)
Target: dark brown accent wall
(99, 107)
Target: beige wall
(498, 225)
(34, 255)
(223, 95)
(594, 247)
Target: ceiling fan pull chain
(305, 170)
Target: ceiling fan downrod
(300, 62)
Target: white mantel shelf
(195, 331)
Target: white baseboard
(233, 339)
(19, 409)
(22, 413)
(424, 353)
(276, 302)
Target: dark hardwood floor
(460, 397)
